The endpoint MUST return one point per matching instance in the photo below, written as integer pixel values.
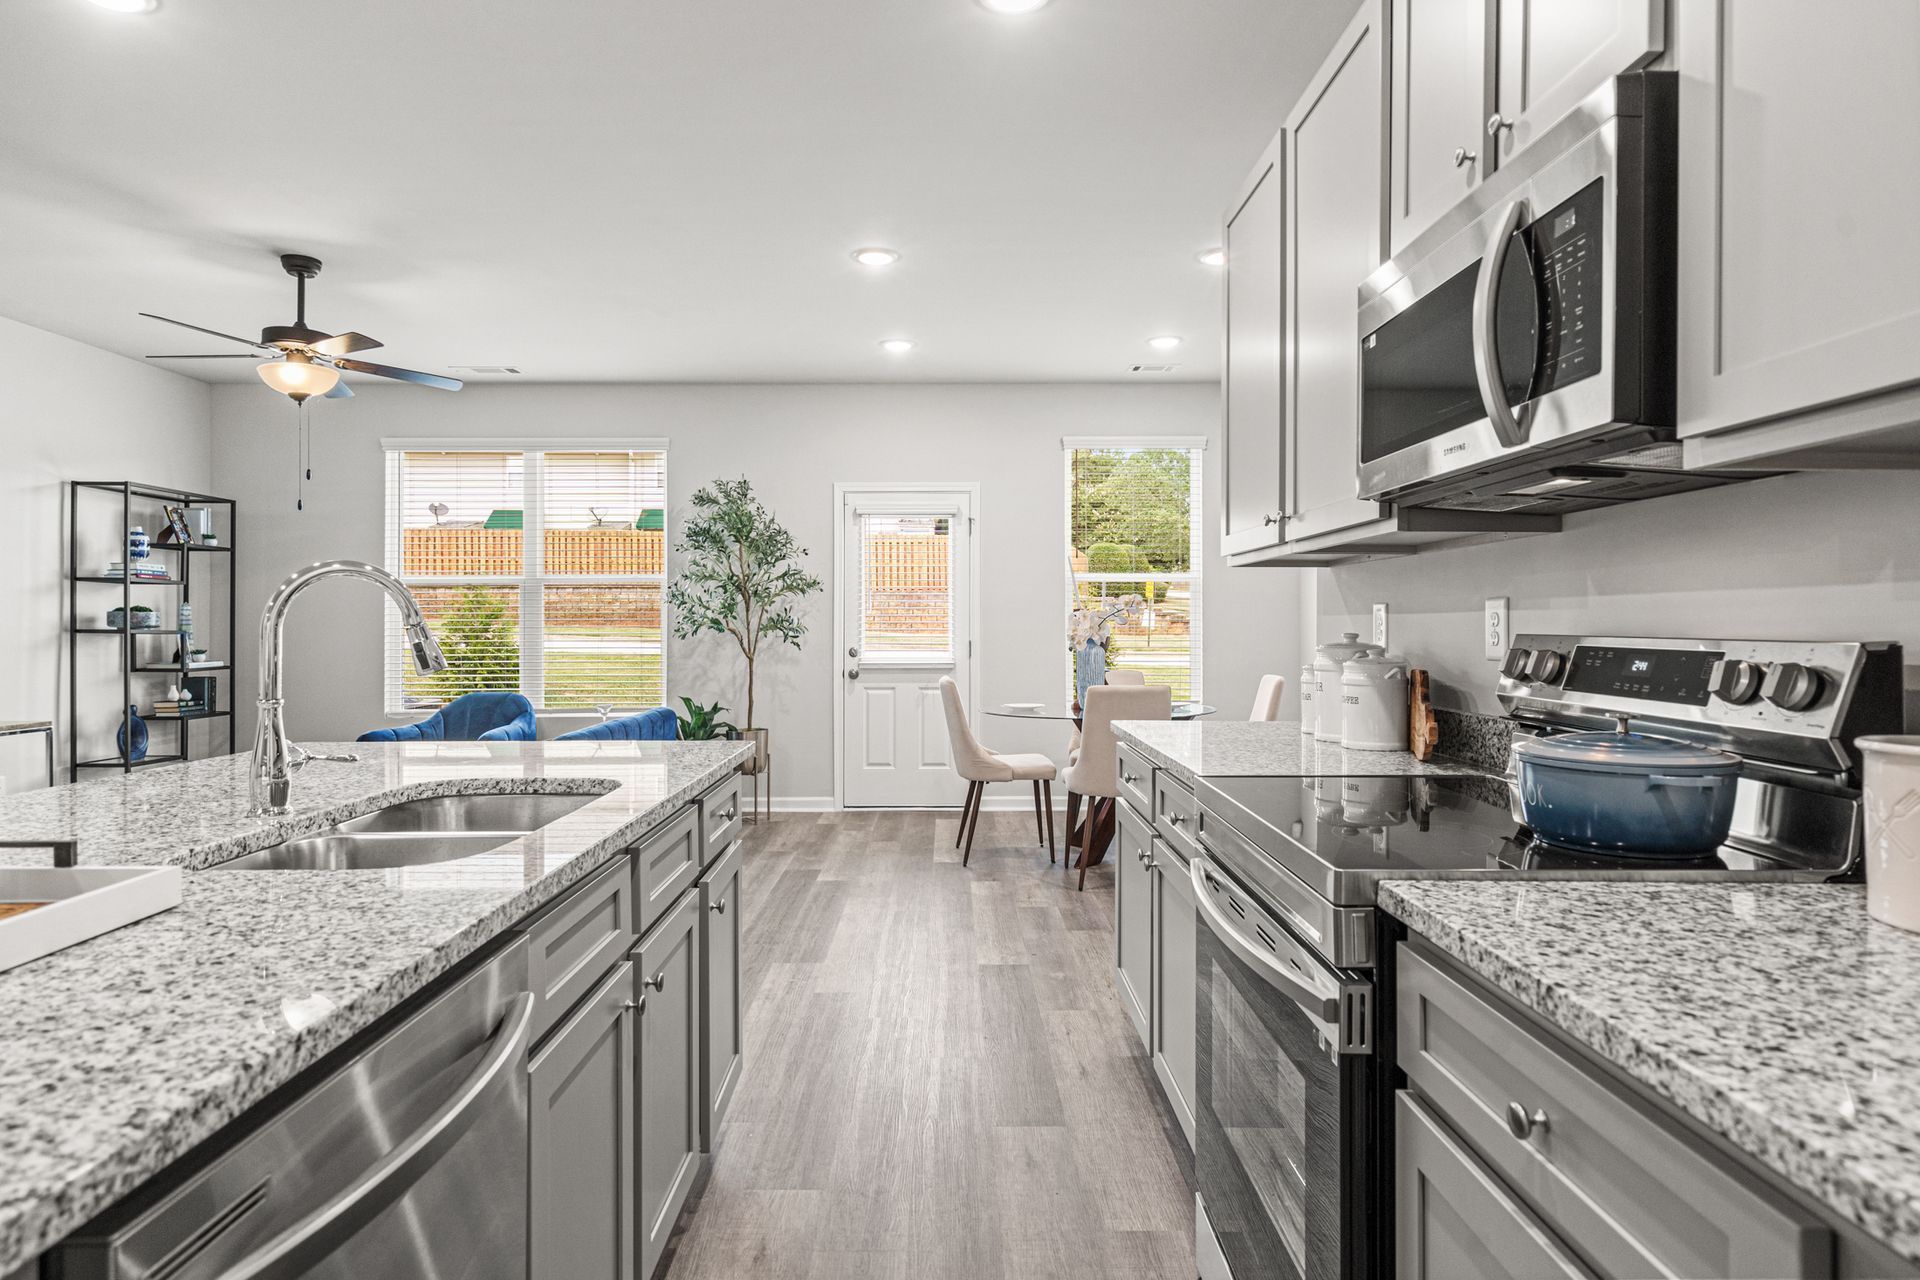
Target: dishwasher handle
(294, 1251)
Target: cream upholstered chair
(1113, 677)
(1095, 772)
(1266, 699)
(978, 766)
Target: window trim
(1195, 446)
(531, 585)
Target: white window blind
(906, 588)
(539, 570)
(1133, 528)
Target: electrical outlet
(1496, 628)
(1380, 625)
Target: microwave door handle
(1509, 427)
(294, 1251)
(1322, 1008)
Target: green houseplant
(741, 576)
(702, 723)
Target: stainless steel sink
(413, 833)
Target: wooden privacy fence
(497, 552)
(907, 577)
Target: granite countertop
(1242, 748)
(1780, 1016)
(120, 1054)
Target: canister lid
(1347, 646)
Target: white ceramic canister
(1892, 793)
(1328, 719)
(1306, 700)
(1373, 696)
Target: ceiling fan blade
(224, 355)
(341, 391)
(343, 344)
(197, 329)
(404, 375)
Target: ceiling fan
(305, 362)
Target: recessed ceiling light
(875, 256)
(129, 6)
(896, 346)
(1165, 342)
(1214, 257)
(1013, 6)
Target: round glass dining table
(1066, 715)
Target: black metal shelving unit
(91, 507)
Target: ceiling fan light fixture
(298, 377)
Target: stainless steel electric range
(1293, 1107)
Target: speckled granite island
(121, 1054)
(1243, 748)
(1780, 1017)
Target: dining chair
(1113, 677)
(1095, 773)
(1266, 699)
(978, 766)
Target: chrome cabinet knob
(1496, 122)
(1463, 157)
(1129, 778)
(1269, 519)
(1735, 680)
(658, 982)
(719, 908)
(1175, 819)
(1521, 1125)
(636, 1006)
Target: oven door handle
(1511, 428)
(1323, 1008)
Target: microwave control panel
(1566, 245)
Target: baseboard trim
(994, 804)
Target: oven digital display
(1663, 675)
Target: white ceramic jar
(1892, 793)
(1328, 719)
(1373, 696)
(1306, 700)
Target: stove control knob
(1790, 686)
(1546, 665)
(1515, 667)
(1735, 680)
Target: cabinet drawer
(1135, 776)
(1176, 814)
(720, 819)
(1631, 1192)
(572, 944)
(1453, 1218)
(665, 865)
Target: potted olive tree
(741, 575)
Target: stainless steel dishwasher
(408, 1160)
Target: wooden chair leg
(1086, 845)
(979, 794)
(1048, 786)
(1073, 812)
(1039, 819)
(966, 809)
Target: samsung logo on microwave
(1452, 449)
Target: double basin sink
(413, 833)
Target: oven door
(1282, 1133)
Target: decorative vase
(133, 736)
(1089, 668)
(116, 617)
(139, 545)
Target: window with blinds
(906, 589)
(539, 570)
(1133, 529)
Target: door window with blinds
(1133, 530)
(906, 589)
(539, 570)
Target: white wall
(1812, 556)
(69, 411)
(794, 443)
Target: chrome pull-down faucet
(275, 758)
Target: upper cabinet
(1799, 304)
(1475, 80)
(1251, 407)
(1335, 235)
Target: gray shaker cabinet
(722, 1018)
(1252, 428)
(1336, 235)
(1553, 53)
(1133, 917)
(666, 989)
(1439, 110)
(1799, 298)
(581, 1131)
(1176, 925)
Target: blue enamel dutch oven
(1627, 793)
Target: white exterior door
(905, 601)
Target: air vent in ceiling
(483, 368)
(1154, 368)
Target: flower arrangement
(1095, 622)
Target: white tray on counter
(81, 903)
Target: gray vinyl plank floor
(940, 1080)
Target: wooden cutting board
(1423, 730)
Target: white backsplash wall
(69, 411)
(794, 443)
(1832, 555)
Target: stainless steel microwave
(1519, 354)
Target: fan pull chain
(300, 461)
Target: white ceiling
(644, 190)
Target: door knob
(1463, 157)
(853, 673)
